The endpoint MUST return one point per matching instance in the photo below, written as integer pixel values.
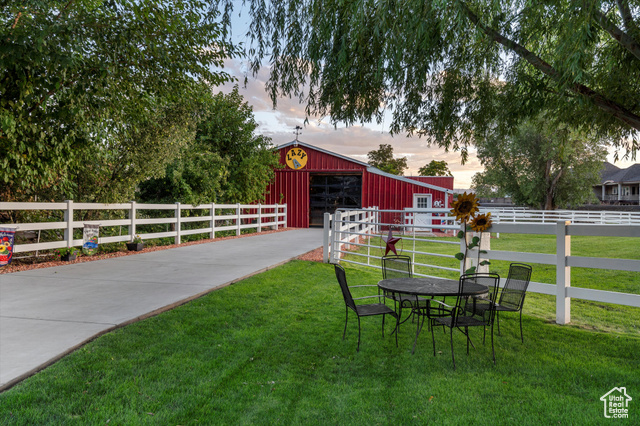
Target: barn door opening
(328, 192)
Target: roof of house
(613, 174)
(370, 168)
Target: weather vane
(298, 128)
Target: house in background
(619, 186)
(314, 181)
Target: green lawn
(268, 350)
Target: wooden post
(259, 217)
(68, 217)
(178, 225)
(563, 273)
(238, 219)
(326, 230)
(132, 221)
(213, 220)
(335, 237)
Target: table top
(426, 286)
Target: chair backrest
(398, 266)
(464, 304)
(515, 289)
(346, 293)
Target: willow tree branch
(627, 17)
(618, 35)
(611, 107)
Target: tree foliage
(454, 70)
(88, 80)
(541, 165)
(435, 168)
(382, 158)
(226, 162)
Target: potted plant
(67, 254)
(136, 244)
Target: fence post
(238, 222)
(178, 225)
(325, 237)
(284, 210)
(132, 220)
(463, 249)
(335, 237)
(213, 220)
(563, 273)
(259, 217)
(68, 217)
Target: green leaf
(459, 256)
(460, 234)
(471, 270)
(485, 262)
(475, 240)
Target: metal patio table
(429, 287)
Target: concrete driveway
(47, 313)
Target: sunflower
(481, 222)
(465, 206)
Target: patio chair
(511, 298)
(362, 310)
(514, 291)
(462, 315)
(399, 266)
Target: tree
(454, 70)
(541, 165)
(82, 75)
(226, 162)
(435, 168)
(382, 158)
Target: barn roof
(370, 168)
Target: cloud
(353, 141)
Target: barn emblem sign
(296, 158)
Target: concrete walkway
(47, 313)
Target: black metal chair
(463, 315)
(363, 310)
(399, 266)
(514, 291)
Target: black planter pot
(135, 246)
(68, 257)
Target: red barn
(314, 181)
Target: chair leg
(346, 319)
(433, 338)
(383, 315)
(521, 334)
(358, 349)
(493, 351)
(453, 359)
(498, 320)
(419, 326)
(466, 333)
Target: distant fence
(212, 218)
(354, 228)
(509, 215)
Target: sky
(355, 141)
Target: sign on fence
(90, 235)
(7, 236)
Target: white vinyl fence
(351, 229)
(510, 215)
(218, 218)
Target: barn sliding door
(327, 193)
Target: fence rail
(220, 217)
(347, 230)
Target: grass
(268, 350)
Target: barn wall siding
(292, 186)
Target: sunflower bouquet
(467, 212)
